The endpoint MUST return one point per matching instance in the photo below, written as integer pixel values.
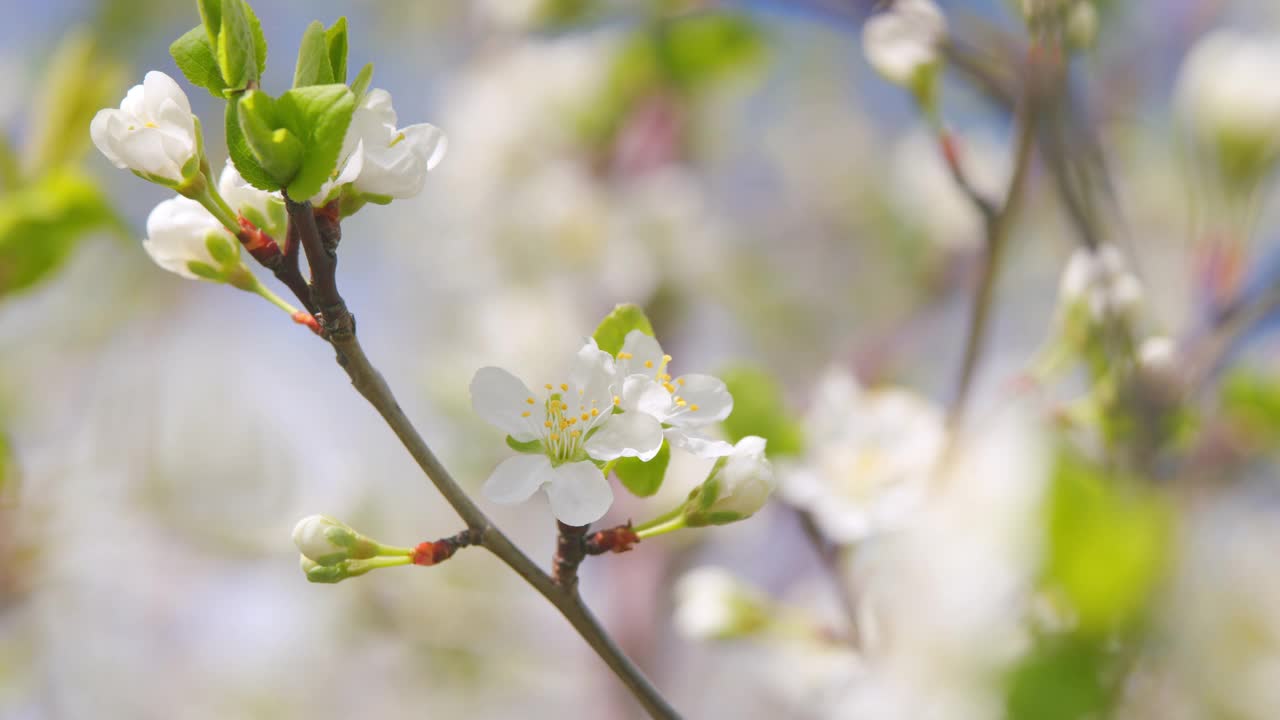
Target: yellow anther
(529, 400)
(564, 387)
(616, 400)
(648, 363)
(624, 356)
(594, 412)
(680, 381)
(549, 386)
(555, 437)
(666, 359)
(664, 376)
(524, 414)
(547, 423)
(694, 408)
(681, 403)
(669, 387)
(586, 416)
(576, 433)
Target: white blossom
(264, 209)
(383, 160)
(1227, 93)
(326, 541)
(153, 133)
(870, 457)
(565, 427)
(903, 42)
(180, 232)
(658, 405)
(711, 603)
(738, 486)
(1100, 281)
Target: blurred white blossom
(903, 43)
(181, 232)
(712, 603)
(870, 457)
(1101, 282)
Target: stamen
(666, 359)
(648, 363)
(669, 387)
(694, 408)
(524, 414)
(681, 403)
(624, 356)
(564, 387)
(586, 416)
(594, 412)
(529, 400)
(616, 400)
(549, 386)
(547, 423)
(680, 381)
(555, 437)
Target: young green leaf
(41, 224)
(237, 53)
(336, 40)
(317, 115)
(276, 149)
(259, 39)
(612, 331)
(195, 58)
(759, 409)
(241, 154)
(313, 59)
(644, 478)
(360, 85)
(211, 18)
(67, 99)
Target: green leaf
(275, 148)
(644, 478)
(313, 66)
(41, 224)
(1108, 544)
(259, 39)
(317, 115)
(195, 58)
(241, 153)
(360, 85)
(701, 48)
(237, 50)
(613, 330)
(1060, 679)
(211, 17)
(67, 100)
(1251, 401)
(336, 40)
(759, 409)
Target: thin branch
(340, 331)
(997, 226)
(828, 555)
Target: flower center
(564, 426)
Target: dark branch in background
(997, 225)
(829, 556)
(340, 330)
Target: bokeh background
(766, 197)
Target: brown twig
(340, 331)
(829, 556)
(571, 549)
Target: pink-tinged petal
(642, 394)
(697, 445)
(501, 400)
(709, 401)
(517, 478)
(158, 88)
(100, 130)
(630, 434)
(579, 493)
(645, 352)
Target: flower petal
(517, 478)
(100, 129)
(643, 394)
(708, 395)
(631, 434)
(646, 354)
(697, 445)
(427, 141)
(579, 493)
(158, 87)
(593, 373)
(500, 399)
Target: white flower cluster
(608, 408)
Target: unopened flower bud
(153, 132)
(1100, 282)
(738, 486)
(903, 45)
(327, 542)
(336, 573)
(710, 603)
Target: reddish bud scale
(614, 540)
(951, 151)
(305, 318)
(259, 244)
(433, 553)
